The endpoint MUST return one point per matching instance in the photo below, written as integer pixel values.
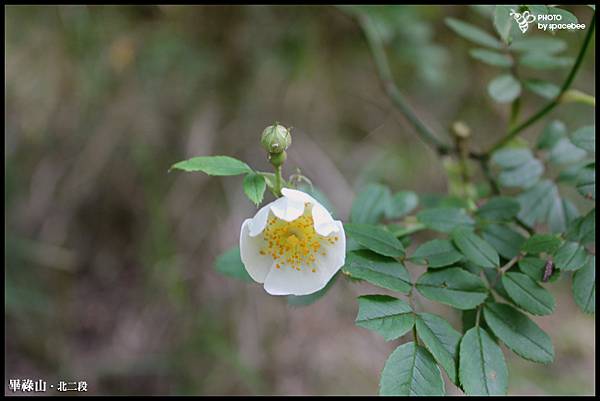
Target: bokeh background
(109, 262)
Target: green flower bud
(277, 159)
(276, 138)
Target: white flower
(293, 245)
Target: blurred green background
(109, 262)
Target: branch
(548, 107)
(387, 80)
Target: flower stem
(278, 181)
(553, 103)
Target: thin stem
(389, 85)
(278, 181)
(552, 104)
(477, 317)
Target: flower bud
(277, 159)
(276, 138)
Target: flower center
(294, 243)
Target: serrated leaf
(436, 253)
(214, 165)
(552, 133)
(482, 368)
(375, 238)
(539, 243)
(509, 158)
(585, 138)
(534, 268)
(545, 61)
(523, 176)
(440, 338)
(543, 44)
(503, 22)
(536, 202)
(584, 286)
(444, 219)
(378, 270)
(545, 89)
(473, 33)
(570, 256)
(503, 239)
(411, 370)
(401, 204)
(583, 229)
(388, 316)
(528, 294)
(504, 88)
(491, 57)
(475, 248)
(518, 332)
(562, 213)
(370, 204)
(564, 152)
(453, 286)
(499, 208)
(254, 187)
(586, 181)
(230, 264)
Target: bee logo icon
(523, 19)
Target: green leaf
(584, 286)
(585, 138)
(536, 202)
(509, 158)
(401, 204)
(552, 133)
(453, 286)
(304, 300)
(440, 338)
(254, 187)
(504, 88)
(482, 368)
(543, 44)
(528, 294)
(378, 270)
(586, 181)
(499, 208)
(444, 219)
(518, 332)
(534, 268)
(538, 243)
(473, 33)
(545, 89)
(523, 176)
(503, 22)
(375, 238)
(436, 253)
(504, 239)
(565, 152)
(545, 61)
(583, 229)
(411, 370)
(562, 213)
(370, 204)
(214, 165)
(570, 256)
(230, 264)
(491, 57)
(388, 316)
(475, 249)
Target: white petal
(298, 196)
(287, 209)
(256, 265)
(259, 222)
(287, 281)
(323, 222)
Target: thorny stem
(553, 103)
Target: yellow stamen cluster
(295, 243)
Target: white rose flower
(292, 245)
